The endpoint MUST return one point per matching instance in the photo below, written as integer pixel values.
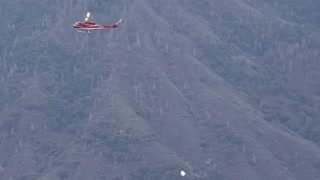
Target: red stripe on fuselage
(96, 27)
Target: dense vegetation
(223, 89)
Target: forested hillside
(225, 89)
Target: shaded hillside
(223, 89)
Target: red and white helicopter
(87, 26)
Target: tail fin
(119, 22)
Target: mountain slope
(214, 87)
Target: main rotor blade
(87, 17)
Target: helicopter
(87, 26)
